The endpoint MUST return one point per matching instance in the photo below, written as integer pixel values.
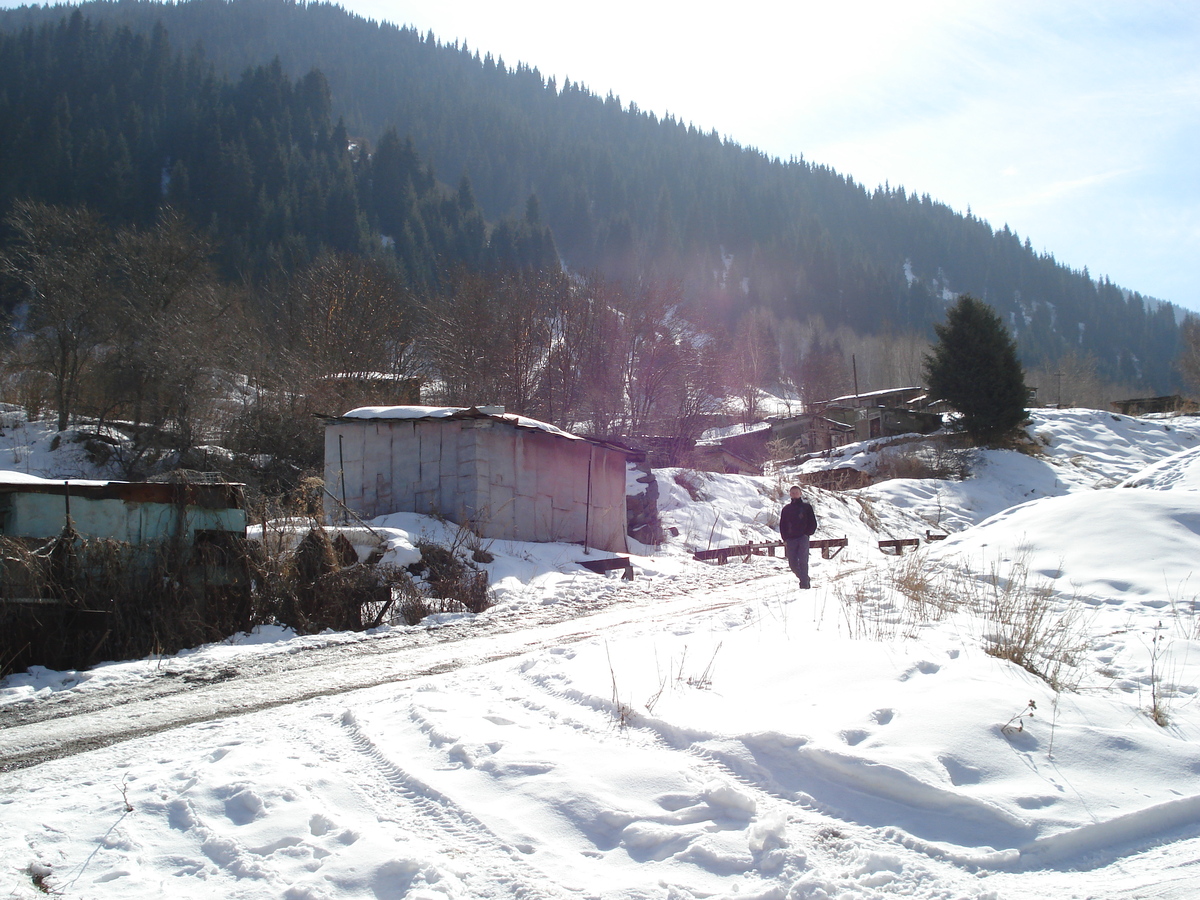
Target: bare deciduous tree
(885, 361)
(336, 335)
(486, 337)
(1074, 380)
(161, 365)
(62, 258)
(354, 320)
(824, 371)
(754, 361)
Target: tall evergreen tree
(974, 367)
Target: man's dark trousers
(796, 551)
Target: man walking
(797, 522)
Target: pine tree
(974, 368)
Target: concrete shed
(510, 477)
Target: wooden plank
(601, 566)
(898, 544)
(722, 554)
(767, 547)
(829, 547)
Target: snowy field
(703, 731)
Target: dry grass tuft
(452, 579)
(1023, 622)
(690, 481)
(932, 460)
(1026, 626)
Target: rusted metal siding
(134, 513)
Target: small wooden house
(889, 397)
(882, 413)
(811, 432)
(1142, 406)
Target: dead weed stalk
(1023, 620)
(1026, 626)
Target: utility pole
(1058, 403)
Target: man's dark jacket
(797, 520)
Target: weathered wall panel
(511, 483)
(112, 511)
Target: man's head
(795, 492)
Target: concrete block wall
(514, 484)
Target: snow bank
(1106, 545)
(1180, 472)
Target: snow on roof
(719, 434)
(403, 412)
(366, 376)
(882, 393)
(448, 412)
(7, 477)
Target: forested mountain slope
(632, 196)
(122, 123)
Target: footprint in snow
(854, 736)
(1035, 802)
(960, 773)
(319, 825)
(924, 667)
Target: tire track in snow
(499, 862)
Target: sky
(1077, 123)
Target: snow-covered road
(460, 762)
(378, 712)
(190, 689)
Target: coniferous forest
(333, 195)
